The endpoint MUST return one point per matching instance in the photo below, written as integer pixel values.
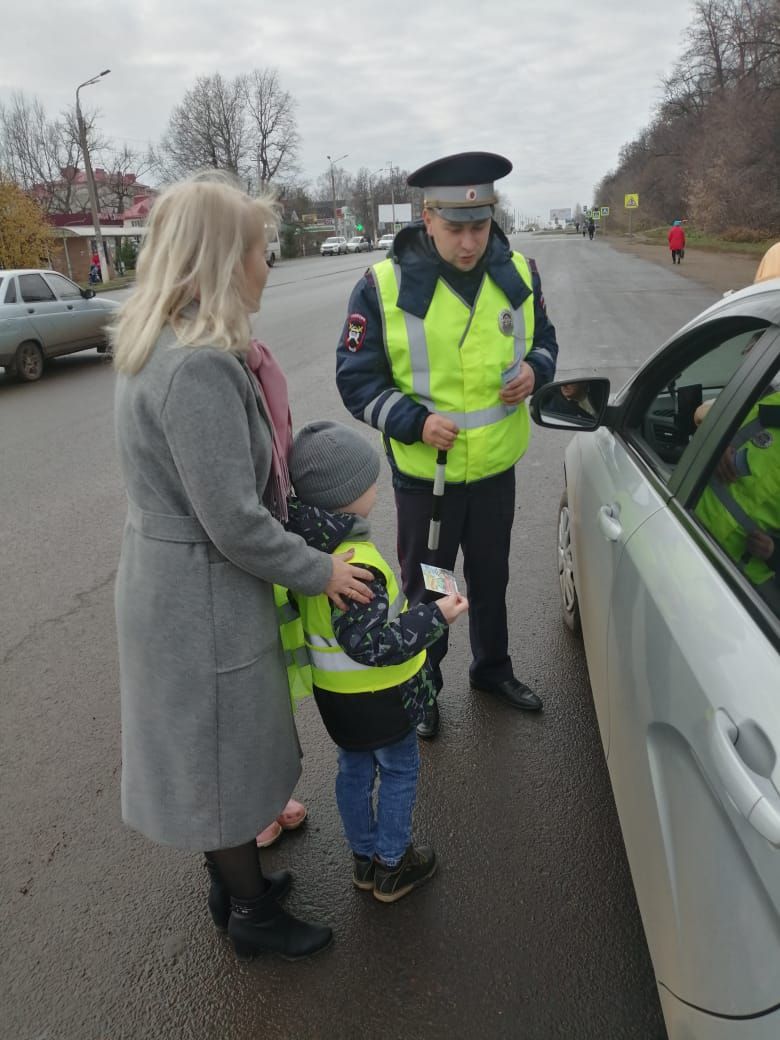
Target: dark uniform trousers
(476, 518)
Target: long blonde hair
(197, 238)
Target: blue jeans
(387, 832)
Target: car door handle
(31, 310)
(609, 523)
(69, 306)
(761, 812)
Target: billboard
(403, 213)
(560, 216)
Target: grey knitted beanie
(331, 465)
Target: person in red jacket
(676, 238)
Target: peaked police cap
(460, 186)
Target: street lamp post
(93, 201)
(333, 184)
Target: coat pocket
(245, 624)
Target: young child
(371, 681)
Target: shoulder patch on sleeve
(355, 334)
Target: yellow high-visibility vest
(333, 669)
(452, 361)
(751, 502)
(296, 660)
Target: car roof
(761, 300)
(28, 270)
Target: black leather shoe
(219, 897)
(429, 727)
(513, 692)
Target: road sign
(631, 202)
(605, 211)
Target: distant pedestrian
(591, 228)
(676, 238)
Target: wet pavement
(530, 927)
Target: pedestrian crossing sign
(631, 202)
(605, 211)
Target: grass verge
(711, 243)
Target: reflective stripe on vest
(296, 659)
(452, 363)
(751, 503)
(332, 668)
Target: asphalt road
(530, 928)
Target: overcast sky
(556, 85)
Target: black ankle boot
(262, 926)
(219, 897)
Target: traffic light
(358, 227)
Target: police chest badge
(506, 322)
(763, 439)
(356, 332)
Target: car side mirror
(576, 404)
(87, 293)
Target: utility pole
(333, 185)
(372, 200)
(392, 192)
(93, 200)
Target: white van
(273, 248)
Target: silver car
(669, 562)
(43, 315)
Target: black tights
(240, 871)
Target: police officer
(444, 341)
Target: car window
(673, 399)
(64, 287)
(739, 506)
(10, 292)
(33, 289)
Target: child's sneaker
(391, 883)
(362, 872)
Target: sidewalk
(718, 271)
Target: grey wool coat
(210, 754)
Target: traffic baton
(438, 495)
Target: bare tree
(245, 125)
(208, 128)
(43, 155)
(272, 130)
(123, 167)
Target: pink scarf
(272, 387)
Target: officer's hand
(452, 606)
(439, 432)
(348, 582)
(760, 545)
(726, 470)
(522, 386)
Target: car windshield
(357, 238)
(332, 239)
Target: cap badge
(471, 194)
(506, 322)
(763, 439)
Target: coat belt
(165, 528)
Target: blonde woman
(209, 747)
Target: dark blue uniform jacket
(363, 372)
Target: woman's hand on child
(452, 606)
(347, 583)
